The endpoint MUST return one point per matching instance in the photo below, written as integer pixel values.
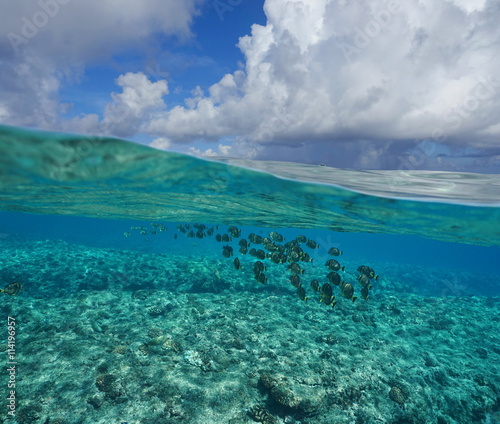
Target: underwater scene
(146, 287)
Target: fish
(276, 237)
(227, 251)
(243, 250)
(369, 272)
(12, 288)
(295, 280)
(237, 263)
(252, 252)
(260, 254)
(315, 285)
(234, 231)
(327, 294)
(334, 251)
(333, 265)
(243, 243)
(261, 278)
(127, 234)
(348, 291)
(295, 268)
(258, 266)
(275, 258)
(333, 278)
(257, 239)
(364, 293)
(200, 234)
(312, 244)
(218, 237)
(363, 280)
(301, 239)
(306, 258)
(225, 238)
(301, 293)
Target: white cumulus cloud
(47, 43)
(323, 72)
(139, 97)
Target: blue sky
(379, 85)
(202, 60)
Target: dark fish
(334, 251)
(348, 291)
(200, 234)
(243, 243)
(12, 289)
(315, 285)
(237, 263)
(225, 238)
(306, 258)
(301, 239)
(175, 236)
(234, 231)
(333, 265)
(227, 251)
(293, 257)
(243, 250)
(261, 278)
(276, 237)
(152, 231)
(257, 239)
(218, 237)
(190, 234)
(327, 294)
(271, 247)
(312, 244)
(369, 272)
(333, 278)
(295, 268)
(251, 237)
(364, 280)
(295, 280)
(301, 293)
(364, 293)
(282, 257)
(260, 254)
(210, 231)
(258, 267)
(253, 252)
(275, 258)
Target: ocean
(121, 305)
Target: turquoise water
(121, 322)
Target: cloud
(324, 73)
(49, 43)
(161, 143)
(139, 98)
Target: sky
(385, 84)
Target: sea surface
(127, 308)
